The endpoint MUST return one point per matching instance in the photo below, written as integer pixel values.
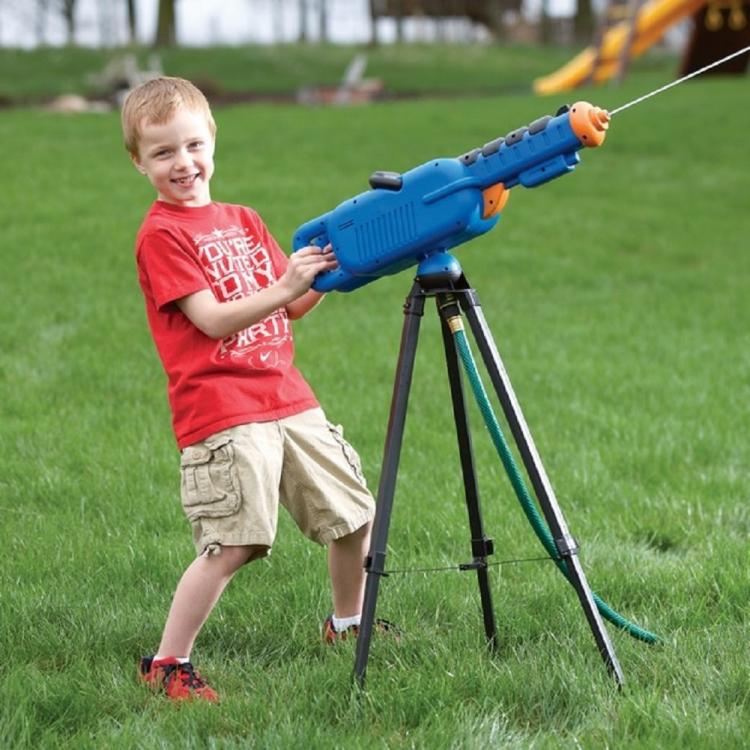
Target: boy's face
(178, 158)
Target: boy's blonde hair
(156, 101)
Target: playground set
(630, 27)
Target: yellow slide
(655, 17)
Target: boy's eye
(196, 144)
(161, 154)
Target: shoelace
(168, 670)
(189, 677)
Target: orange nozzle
(589, 123)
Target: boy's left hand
(305, 265)
(314, 260)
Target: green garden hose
(522, 492)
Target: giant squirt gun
(416, 217)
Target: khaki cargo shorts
(232, 483)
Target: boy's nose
(182, 159)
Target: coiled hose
(522, 492)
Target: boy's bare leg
(346, 558)
(197, 592)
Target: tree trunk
(166, 35)
(584, 21)
(132, 32)
(400, 13)
(69, 12)
(374, 12)
(323, 21)
(545, 24)
(304, 34)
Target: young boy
(219, 295)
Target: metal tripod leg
(375, 563)
(566, 545)
(481, 545)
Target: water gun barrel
(443, 203)
(539, 152)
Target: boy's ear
(137, 164)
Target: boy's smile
(177, 157)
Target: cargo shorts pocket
(210, 486)
(351, 456)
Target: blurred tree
(40, 22)
(68, 11)
(399, 10)
(166, 32)
(488, 13)
(33, 18)
(545, 23)
(304, 31)
(583, 25)
(323, 20)
(131, 18)
(377, 9)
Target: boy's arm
(221, 319)
(302, 305)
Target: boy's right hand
(304, 266)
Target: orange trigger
(495, 197)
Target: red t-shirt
(214, 384)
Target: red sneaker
(178, 681)
(331, 635)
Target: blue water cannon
(416, 217)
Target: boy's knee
(233, 557)
(358, 535)
(363, 531)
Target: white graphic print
(239, 265)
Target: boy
(219, 295)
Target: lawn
(618, 297)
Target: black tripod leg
(375, 563)
(538, 476)
(481, 545)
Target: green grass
(618, 297)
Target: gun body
(405, 218)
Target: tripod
(453, 295)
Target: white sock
(342, 623)
(180, 659)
